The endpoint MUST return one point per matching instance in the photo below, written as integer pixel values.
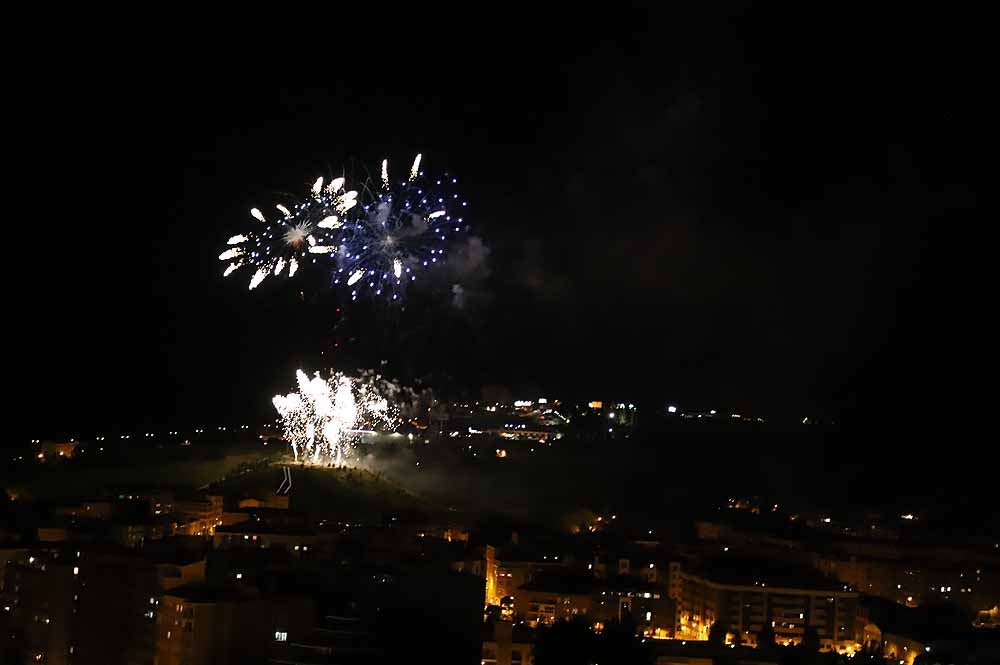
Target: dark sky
(720, 209)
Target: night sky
(722, 210)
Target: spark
(317, 186)
(325, 418)
(331, 222)
(293, 265)
(435, 215)
(285, 211)
(353, 279)
(385, 173)
(279, 267)
(415, 169)
(236, 240)
(258, 215)
(335, 185)
(350, 200)
(230, 254)
(258, 277)
(397, 267)
(229, 270)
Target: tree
(569, 642)
(870, 654)
(810, 640)
(717, 634)
(765, 637)
(618, 643)
(573, 642)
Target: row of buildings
(151, 577)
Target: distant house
(57, 450)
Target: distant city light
(671, 409)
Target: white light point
(397, 267)
(284, 211)
(257, 214)
(355, 277)
(435, 214)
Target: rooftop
(206, 593)
(758, 572)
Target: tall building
(744, 607)
(204, 625)
(81, 607)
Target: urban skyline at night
(512, 335)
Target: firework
(305, 232)
(403, 227)
(325, 419)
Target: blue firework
(403, 228)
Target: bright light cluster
(306, 231)
(324, 420)
(402, 227)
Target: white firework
(297, 234)
(310, 227)
(325, 419)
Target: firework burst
(403, 227)
(305, 232)
(325, 419)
